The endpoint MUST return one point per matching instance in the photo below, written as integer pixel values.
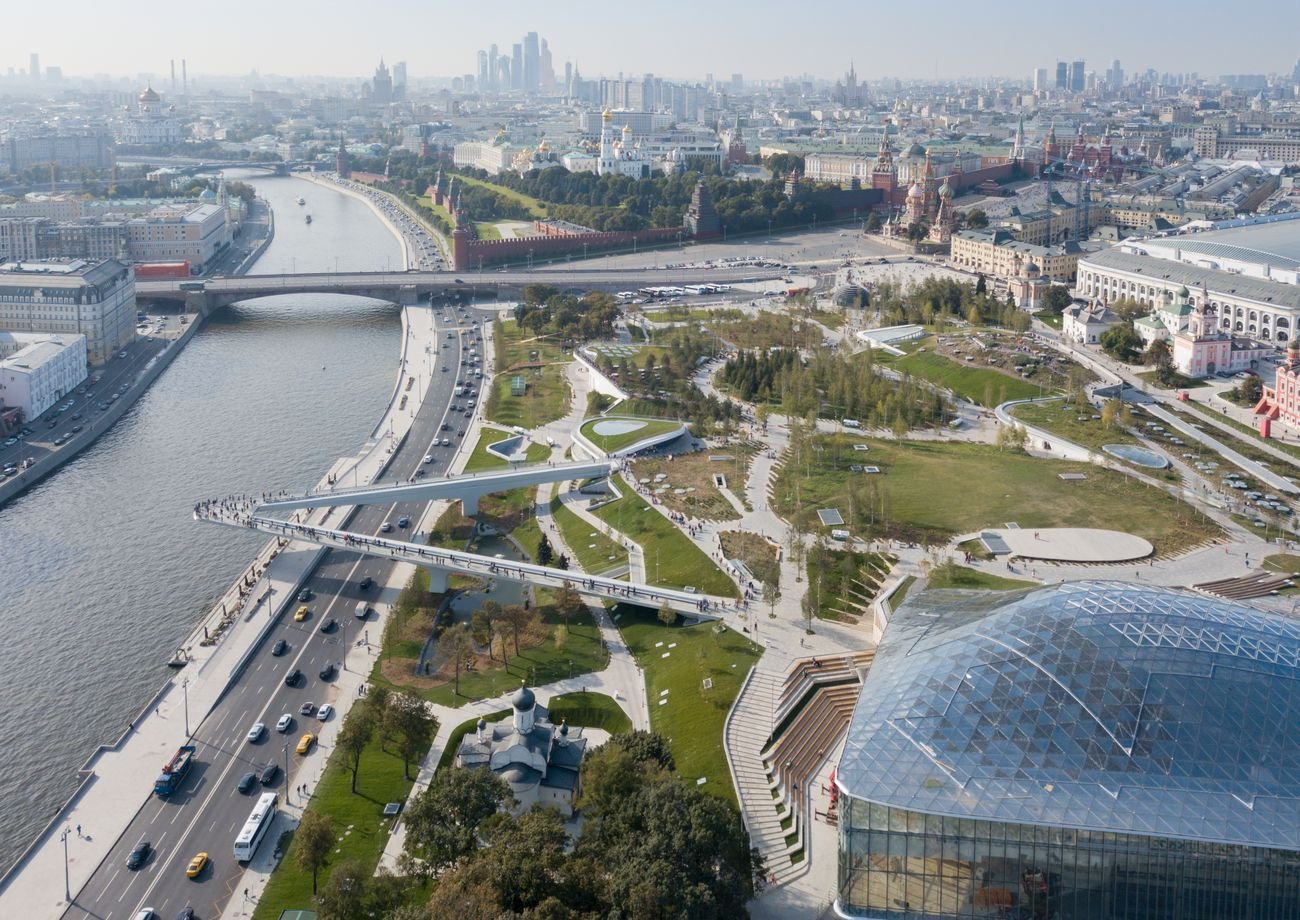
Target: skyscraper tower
(494, 69)
(1062, 75)
(532, 63)
(517, 66)
(547, 77)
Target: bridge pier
(469, 506)
(437, 580)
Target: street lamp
(67, 886)
(286, 773)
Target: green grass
(486, 231)
(590, 710)
(900, 593)
(671, 559)
(614, 442)
(593, 552)
(577, 650)
(1179, 381)
(481, 459)
(931, 491)
(380, 781)
(1063, 420)
(547, 395)
(976, 384)
(693, 717)
(535, 208)
(844, 583)
(951, 575)
(1283, 562)
(1049, 318)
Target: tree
(358, 729)
(1121, 342)
(459, 647)
(544, 551)
(442, 822)
(981, 285)
(378, 699)
(1157, 353)
(976, 219)
(562, 562)
(667, 615)
(1056, 298)
(1115, 414)
(480, 627)
(1248, 391)
(568, 603)
(343, 894)
(517, 619)
(313, 841)
(414, 726)
(1012, 437)
(771, 593)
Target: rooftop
(1276, 244)
(1216, 282)
(1092, 705)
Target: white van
(362, 610)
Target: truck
(152, 270)
(173, 772)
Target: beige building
(174, 232)
(94, 299)
(996, 253)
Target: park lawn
(535, 207)
(551, 653)
(589, 710)
(693, 717)
(481, 459)
(679, 313)
(1049, 318)
(650, 427)
(975, 384)
(379, 781)
(596, 552)
(696, 471)
(672, 560)
(758, 555)
(1063, 419)
(547, 395)
(951, 575)
(900, 593)
(1179, 381)
(930, 491)
(485, 230)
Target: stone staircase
(746, 733)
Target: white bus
(255, 828)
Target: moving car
(325, 712)
(284, 724)
(197, 865)
(305, 743)
(327, 672)
(386, 527)
(270, 772)
(305, 594)
(279, 648)
(139, 855)
(257, 731)
(303, 612)
(307, 708)
(247, 782)
(403, 521)
(366, 583)
(329, 625)
(292, 678)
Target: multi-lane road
(208, 811)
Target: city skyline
(954, 41)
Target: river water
(102, 571)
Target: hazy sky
(675, 38)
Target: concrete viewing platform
(1066, 544)
(236, 513)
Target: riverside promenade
(116, 781)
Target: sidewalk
(113, 790)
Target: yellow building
(996, 253)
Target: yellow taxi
(303, 612)
(197, 865)
(305, 743)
